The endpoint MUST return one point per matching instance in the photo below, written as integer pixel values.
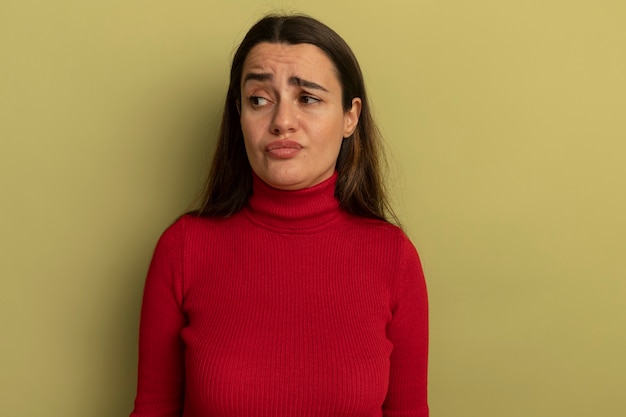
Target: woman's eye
(308, 100)
(257, 101)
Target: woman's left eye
(308, 99)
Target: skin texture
(291, 114)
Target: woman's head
(359, 185)
(292, 114)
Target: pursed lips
(283, 149)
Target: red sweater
(291, 307)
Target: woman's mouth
(283, 149)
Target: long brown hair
(359, 187)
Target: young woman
(288, 292)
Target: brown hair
(359, 186)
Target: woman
(288, 293)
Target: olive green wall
(506, 125)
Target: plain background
(505, 123)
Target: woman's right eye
(258, 101)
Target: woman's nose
(285, 118)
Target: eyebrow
(297, 81)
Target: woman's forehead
(299, 61)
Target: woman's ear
(351, 118)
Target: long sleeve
(408, 332)
(160, 387)
(290, 307)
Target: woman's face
(292, 116)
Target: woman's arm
(161, 377)
(408, 331)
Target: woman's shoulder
(190, 227)
(382, 231)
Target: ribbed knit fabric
(291, 307)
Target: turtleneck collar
(296, 210)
